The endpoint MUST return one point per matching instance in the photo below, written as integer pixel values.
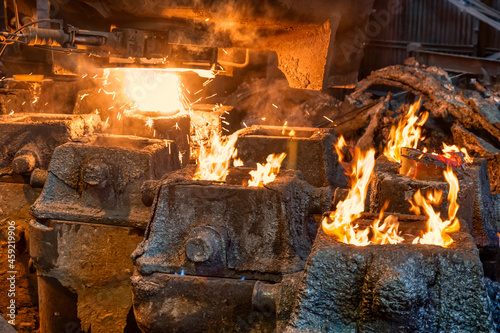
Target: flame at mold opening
(339, 146)
(454, 149)
(406, 134)
(437, 229)
(266, 173)
(148, 89)
(340, 223)
(213, 162)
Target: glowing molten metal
(266, 173)
(213, 162)
(407, 134)
(437, 229)
(154, 90)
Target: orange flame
(266, 173)
(350, 209)
(437, 229)
(407, 134)
(454, 149)
(291, 133)
(342, 226)
(387, 233)
(339, 146)
(213, 162)
(238, 162)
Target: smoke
(267, 102)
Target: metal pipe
(235, 64)
(50, 37)
(265, 297)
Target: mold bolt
(24, 164)
(201, 246)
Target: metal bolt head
(24, 164)
(199, 248)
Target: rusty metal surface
(92, 262)
(224, 256)
(27, 141)
(176, 303)
(99, 179)
(310, 151)
(46, 96)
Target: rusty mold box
(27, 141)
(230, 230)
(98, 179)
(209, 242)
(391, 288)
(310, 150)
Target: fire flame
(454, 149)
(237, 162)
(266, 173)
(407, 134)
(342, 226)
(387, 233)
(437, 229)
(339, 146)
(155, 90)
(213, 162)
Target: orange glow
(437, 229)
(339, 146)
(454, 149)
(291, 133)
(154, 90)
(28, 77)
(407, 133)
(284, 128)
(266, 173)
(213, 162)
